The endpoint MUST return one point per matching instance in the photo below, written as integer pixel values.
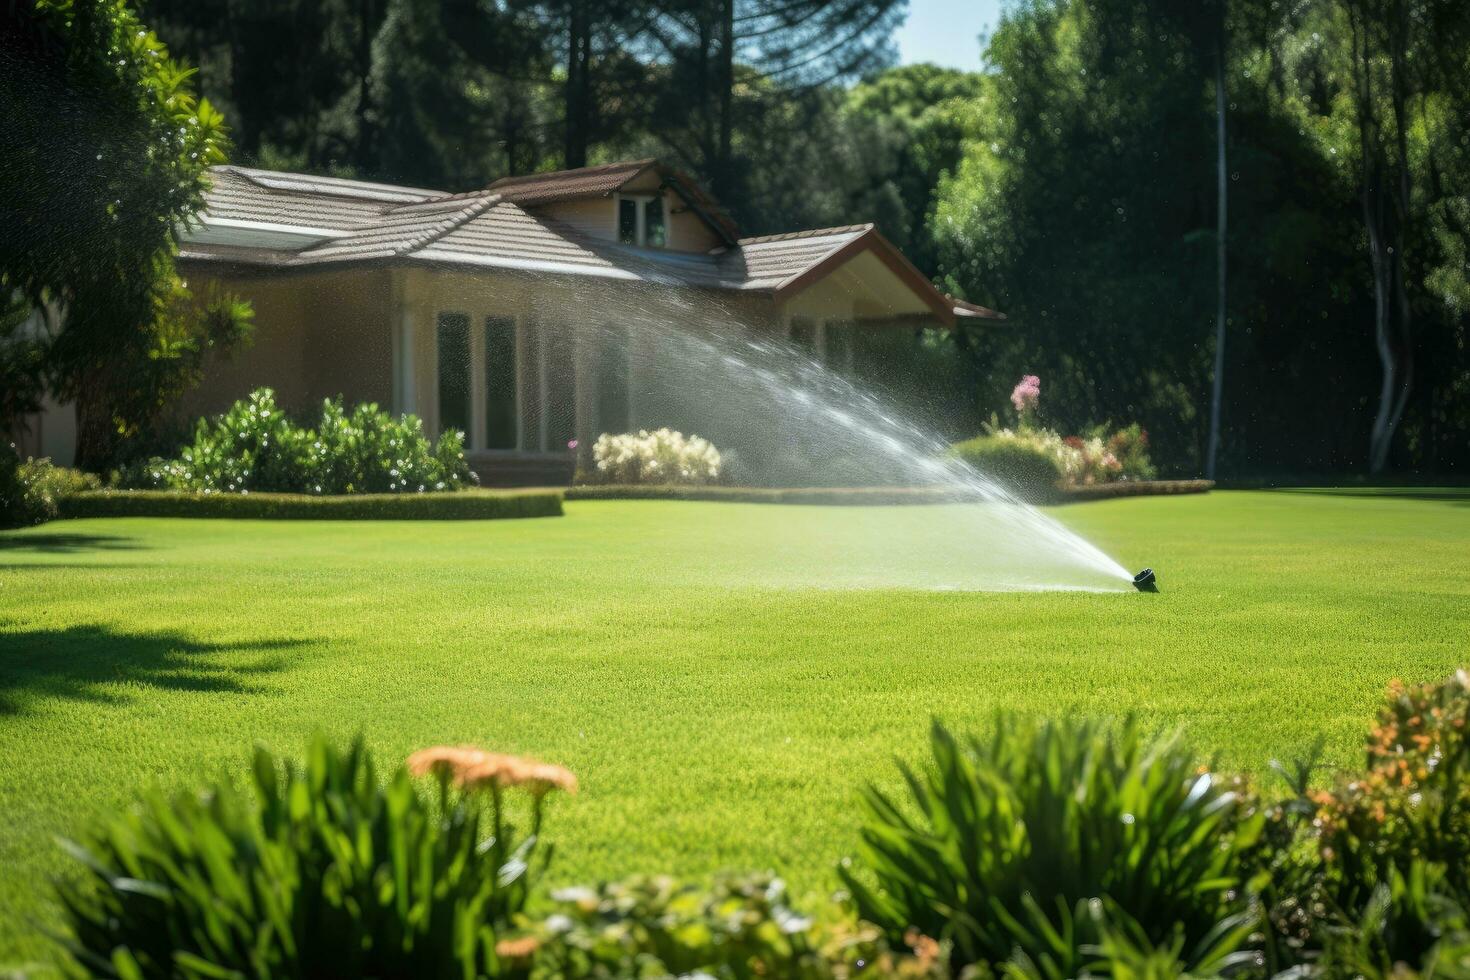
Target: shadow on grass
(94, 663)
(60, 542)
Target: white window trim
(640, 233)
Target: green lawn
(709, 670)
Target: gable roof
(267, 219)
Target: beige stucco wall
(317, 335)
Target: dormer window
(641, 220)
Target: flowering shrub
(1100, 456)
(662, 456)
(1025, 397)
(254, 446)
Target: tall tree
(105, 149)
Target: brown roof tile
(500, 227)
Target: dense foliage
(32, 490)
(320, 871)
(105, 151)
(255, 445)
(1049, 850)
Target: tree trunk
(579, 51)
(96, 433)
(726, 80)
(1217, 386)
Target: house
(514, 313)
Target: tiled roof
(264, 218)
(566, 185)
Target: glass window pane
(628, 221)
(500, 382)
(612, 381)
(561, 389)
(653, 223)
(454, 371)
(804, 334)
(531, 386)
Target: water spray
(1145, 581)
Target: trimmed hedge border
(1135, 488)
(458, 505)
(867, 496)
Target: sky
(946, 32)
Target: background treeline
(1072, 183)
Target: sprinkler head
(1144, 581)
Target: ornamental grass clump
(662, 456)
(318, 870)
(256, 447)
(1002, 844)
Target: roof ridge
(455, 220)
(346, 186)
(808, 233)
(551, 174)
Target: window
(500, 382)
(454, 371)
(804, 335)
(612, 380)
(560, 406)
(641, 221)
(839, 337)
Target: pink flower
(572, 444)
(1027, 393)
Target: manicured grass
(704, 667)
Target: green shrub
(32, 491)
(254, 446)
(467, 505)
(321, 871)
(1001, 839)
(741, 927)
(1025, 466)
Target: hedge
(868, 496)
(462, 505)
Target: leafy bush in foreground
(254, 446)
(740, 927)
(31, 490)
(321, 872)
(1369, 875)
(1000, 841)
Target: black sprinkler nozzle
(1144, 581)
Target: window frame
(641, 204)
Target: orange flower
(474, 768)
(517, 949)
